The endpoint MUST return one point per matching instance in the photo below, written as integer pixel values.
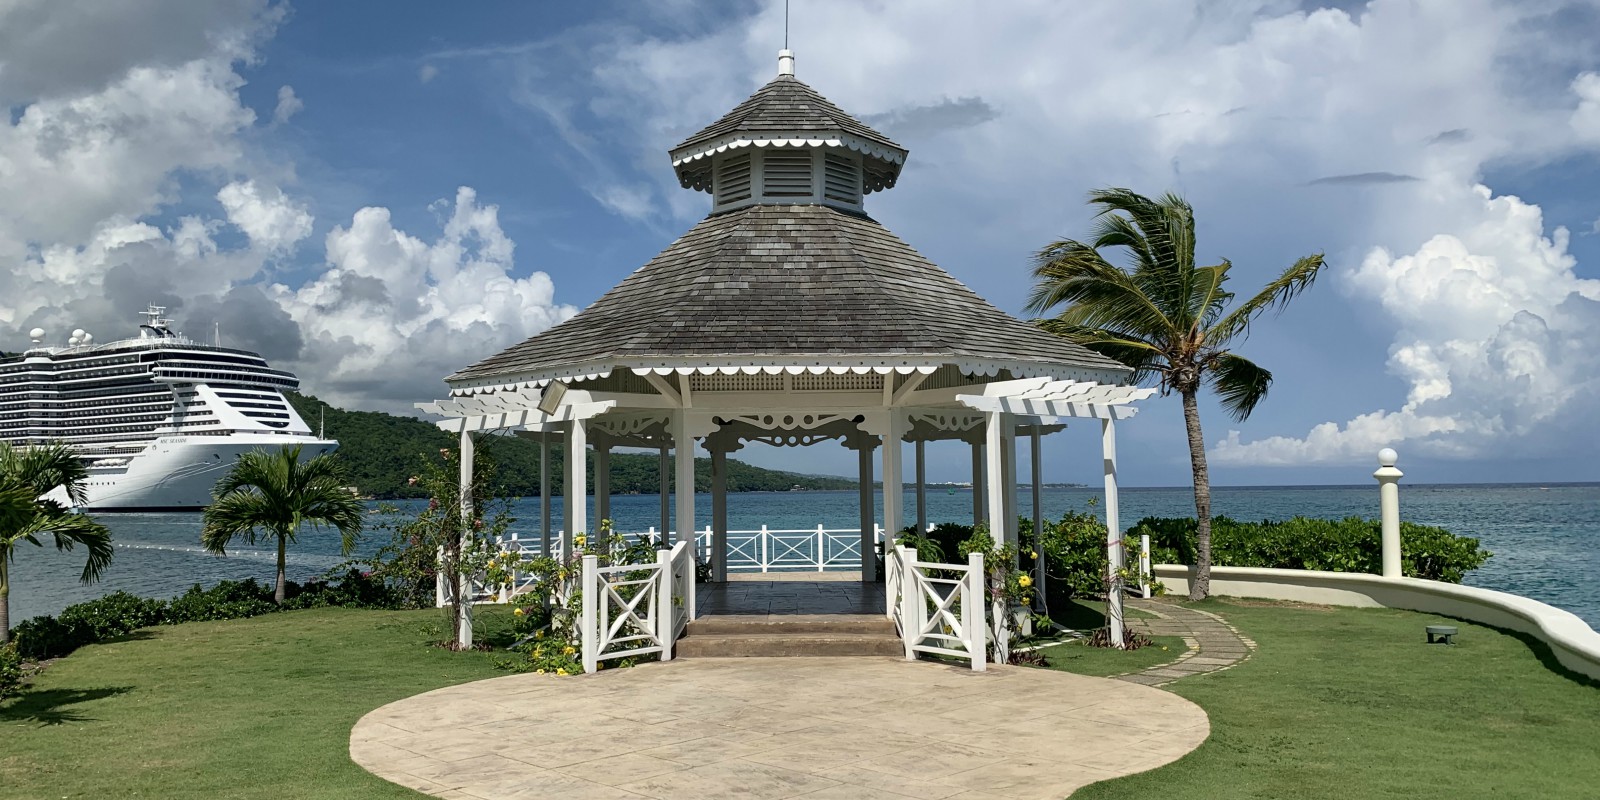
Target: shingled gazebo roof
(785, 105)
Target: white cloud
(288, 105)
(393, 314)
(1494, 343)
(1586, 118)
(273, 222)
(427, 72)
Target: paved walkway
(707, 729)
(788, 595)
(1213, 643)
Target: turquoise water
(1546, 540)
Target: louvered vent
(736, 383)
(828, 382)
(786, 173)
(733, 179)
(841, 179)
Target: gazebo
(788, 316)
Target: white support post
(683, 488)
(1008, 470)
(602, 479)
(464, 581)
(665, 482)
(994, 474)
(922, 486)
(590, 635)
(719, 515)
(1114, 550)
(868, 566)
(977, 484)
(1144, 565)
(576, 512)
(761, 550)
(664, 615)
(439, 598)
(1389, 510)
(972, 622)
(822, 548)
(910, 597)
(893, 489)
(1036, 467)
(544, 494)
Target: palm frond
(1097, 293)
(46, 467)
(1147, 360)
(268, 491)
(1240, 384)
(1294, 280)
(68, 530)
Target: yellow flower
(539, 672)
(561, 671)
(569, 650)
(519, 612)
(1025, 581)
(1035, 554)
(538, 635)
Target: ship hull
(177, 473)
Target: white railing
(682, 596)
(633, 609)
(938, 608)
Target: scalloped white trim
(892, 155)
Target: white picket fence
(939, 608)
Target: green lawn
(1340, 704)
(1102, 661)
(243, 709)
(1349, 704)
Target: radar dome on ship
(37, 335)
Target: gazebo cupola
(787, 144)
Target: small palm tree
(27, 474)
(269, 494)
(1163, 316)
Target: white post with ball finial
(1389, 509)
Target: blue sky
(374, 195)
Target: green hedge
(120, 613)
(1347, 545)
(10, 670)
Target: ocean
(1545, 539)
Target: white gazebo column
(576, 511)
(683, 488)
(922, 488)
(1008, 472)
(1035, 467)
(977, 484)
(869, 566)
(893, 488)
(1108, 447)
(665, 483)
(719, 514)
(602, 478)
(463, 580)
(994, 473)
(544, 493)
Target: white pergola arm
(465, 415)
(1047, 408)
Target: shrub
(42, 637)
(1074, 549)
(353, 589)
(1348, 545)
(10, 670)
(226, 600)
(115, 614)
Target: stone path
(819, 728)
(1213, 643)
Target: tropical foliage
(1174, 322)
(27, 474)
(1344, 545)
(270, 494)
(380, 452)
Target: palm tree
(268, 494)
(26, 475)
(1163, 316)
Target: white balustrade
(939, 608)
(635, 609)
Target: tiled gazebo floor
(748, 596)
(709, 729)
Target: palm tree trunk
(5, 602)
(1200, 587)
(283, 545)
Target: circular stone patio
(777, 727)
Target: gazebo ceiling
(779, 286)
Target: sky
(376, 195)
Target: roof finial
(785, 62)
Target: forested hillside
(382, 451)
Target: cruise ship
(157, 418)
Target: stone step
(774, 624)
(787, 645)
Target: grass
(1349, 704)
(257, 708)
(1341, 704)
(1104, 661)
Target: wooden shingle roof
(785, 106)
(786, 281)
